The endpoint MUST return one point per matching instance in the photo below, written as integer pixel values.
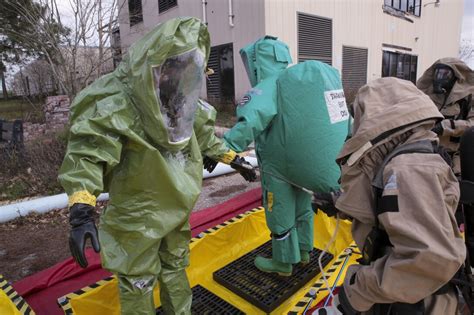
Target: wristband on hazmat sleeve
(82, 196)
(228, 157)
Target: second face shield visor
(443, 80)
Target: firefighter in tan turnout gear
(401, 195)
(449, 83)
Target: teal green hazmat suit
(298, 118)
(139, 133)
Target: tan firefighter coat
(453, 125)
(427, 245)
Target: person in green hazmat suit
(139, 133)
(297, 117)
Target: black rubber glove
(244, 168)
(326, 202)
(82, 228)
(209, 164)
(345, 306)
(438, 128)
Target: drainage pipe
(204, 11)
(40, 205)
(231, 14)
(45, 204)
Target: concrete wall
(362, 23)
(359, 23)
(248, 26)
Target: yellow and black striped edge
(16, 299)
(226, 223)
(317, 286)
(64, 301)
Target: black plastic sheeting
(206, 302)
(267, 290)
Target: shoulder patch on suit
(245, 99)
(255, 91)
(248, 97)
(392, 182)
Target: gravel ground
(219, 189)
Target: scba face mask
(443, 79)
(177, 85)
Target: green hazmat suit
(298, 118)
(139, 133)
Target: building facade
(363, 39)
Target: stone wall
(32, 131)
(56, 111)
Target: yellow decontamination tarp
(10, 302)
(216, 248)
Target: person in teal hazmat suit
(140, 133)
(298, 118)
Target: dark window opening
(165, 5)
(135, 11)
(399, 65)
(314, 38)
(408, 6)
(220, 84)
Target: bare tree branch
(76, 53)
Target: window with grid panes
(399, 65)
(409, 6)
(165, 5)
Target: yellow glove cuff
(228, 157)
(82, 196)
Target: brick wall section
(56, 112)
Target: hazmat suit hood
(164, 72)
(266, 57)
(463, 86)
(383, 107)
(387, 112)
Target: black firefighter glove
(209, 164)
(326, 202)
(82, 228)
(344, 305)
(244, 168)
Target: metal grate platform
(266, 290)
(206, 302)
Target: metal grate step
(266, 290)
(206, 302)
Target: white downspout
(231, 14)
(204, 11)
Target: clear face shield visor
(443, 79)
(177, 85)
